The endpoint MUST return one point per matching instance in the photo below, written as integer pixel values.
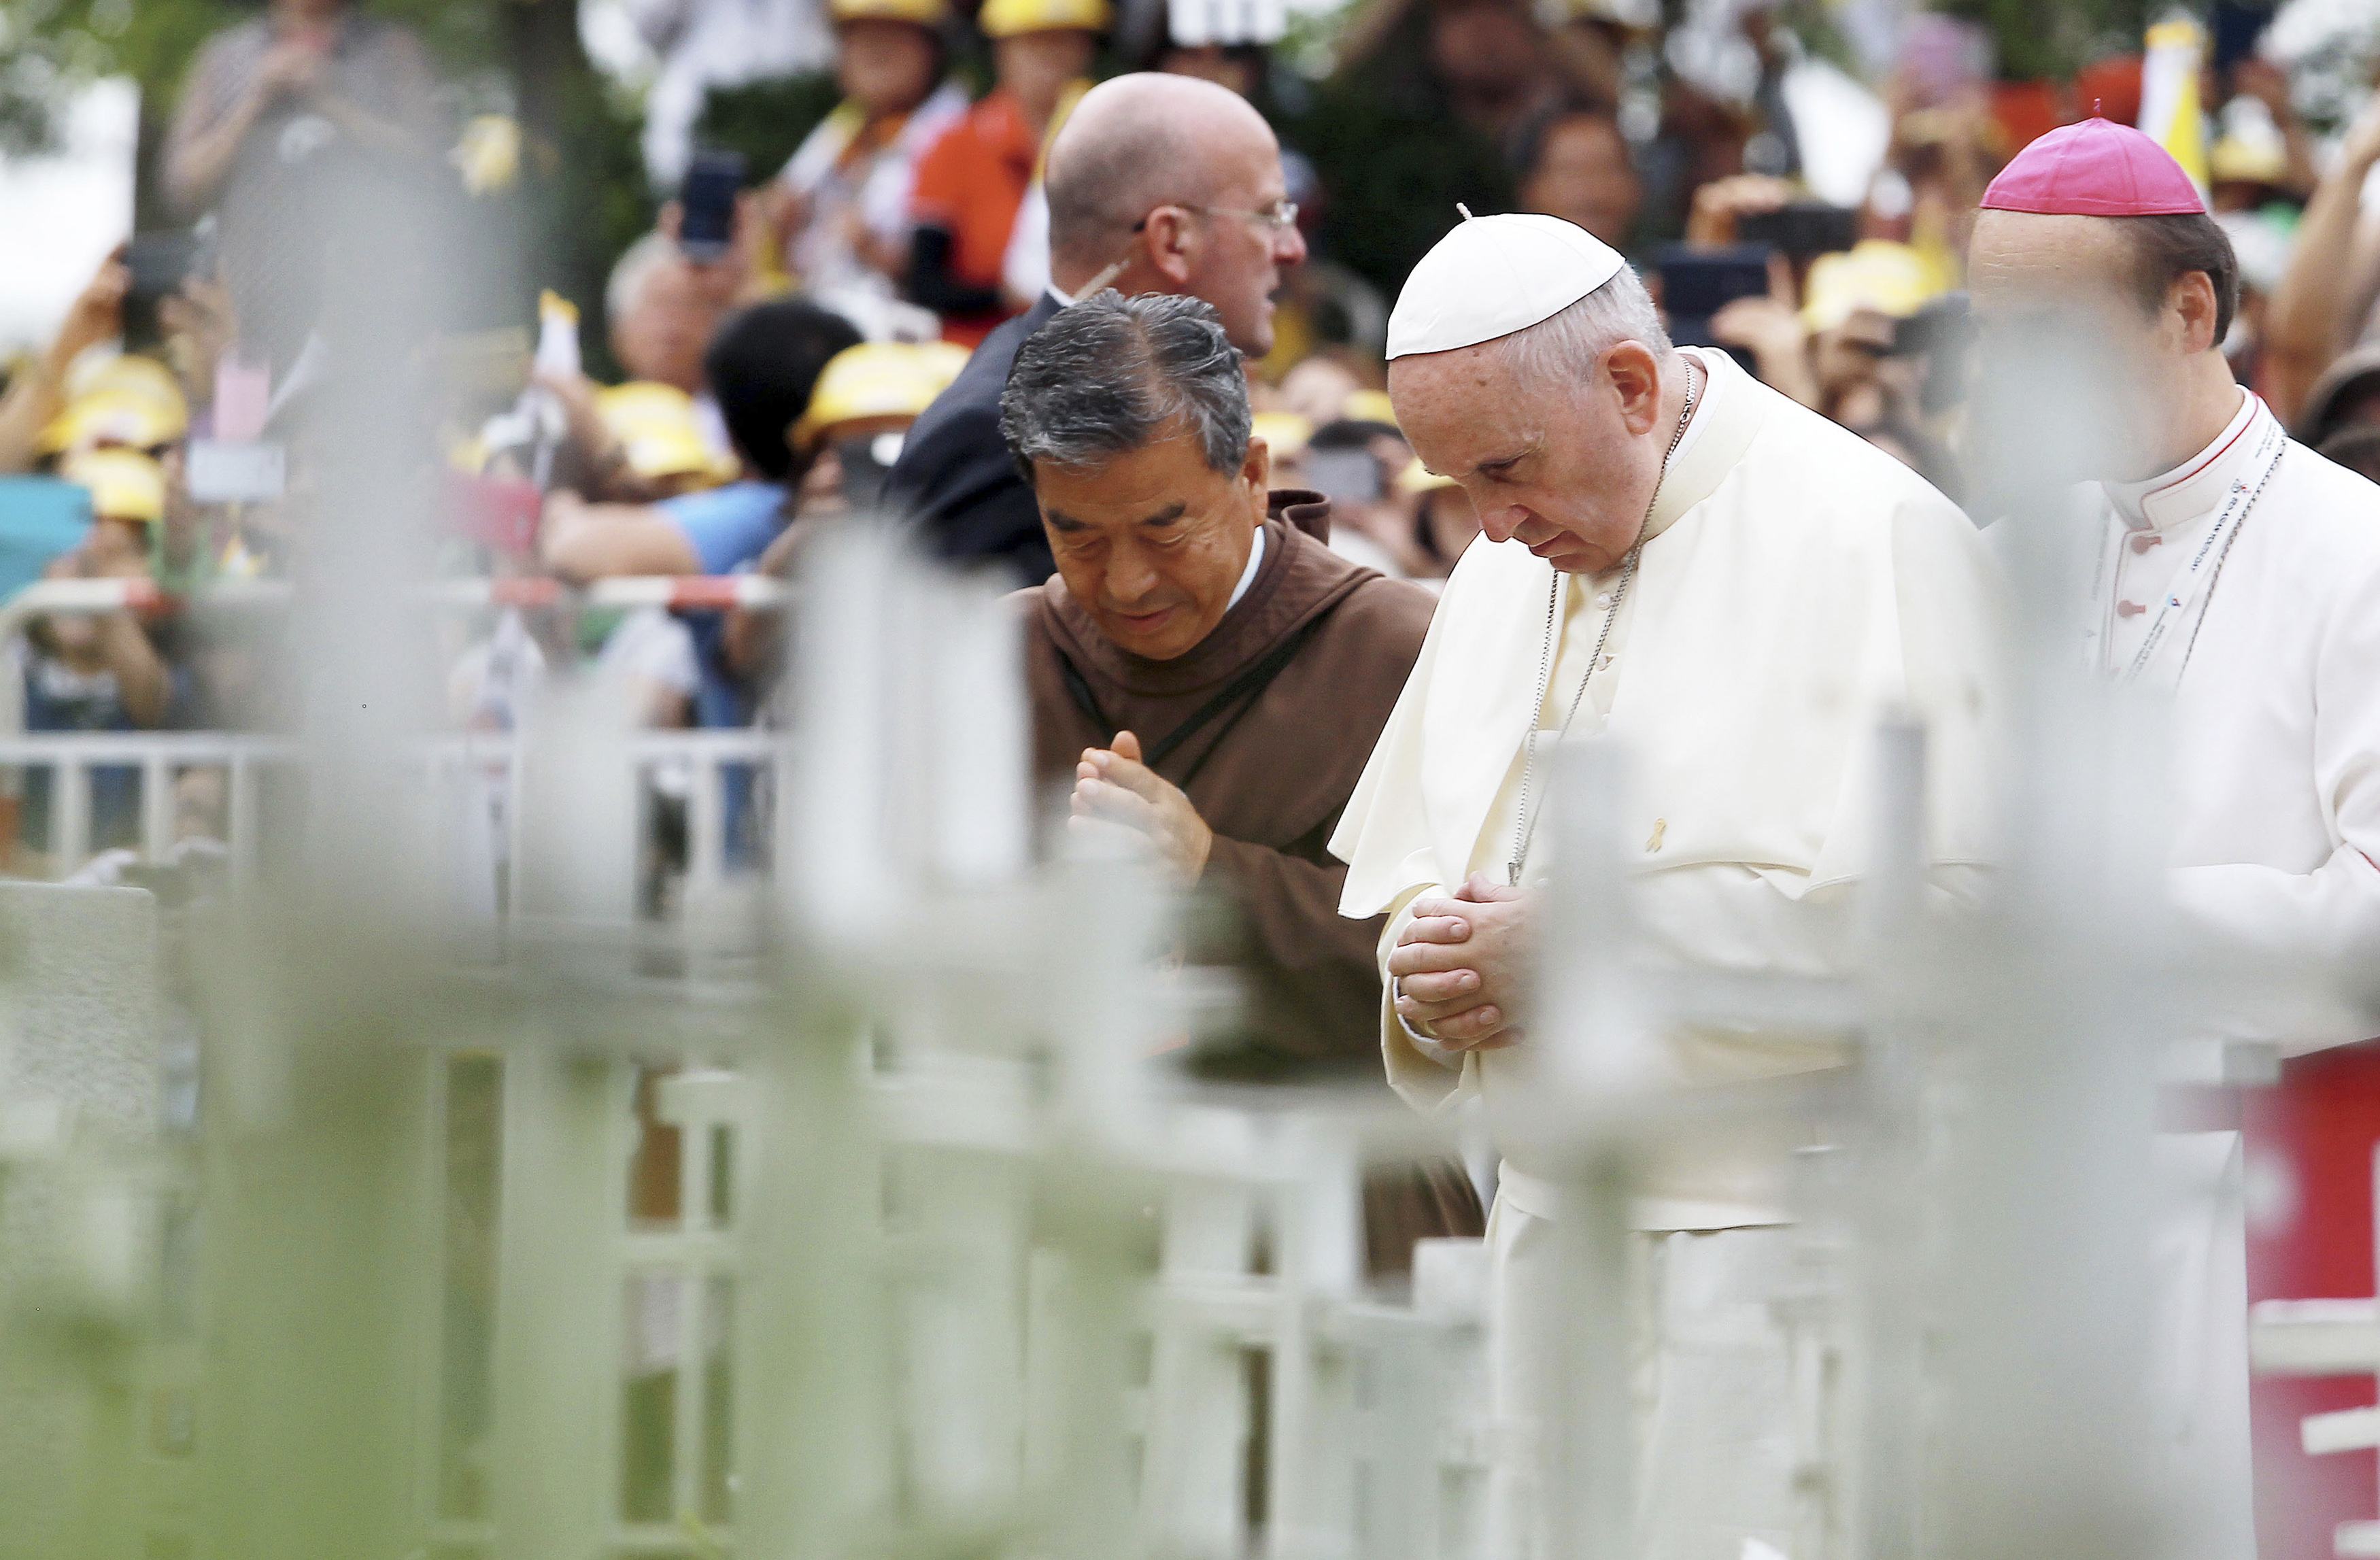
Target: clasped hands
(1114, 789)
(1459, 965)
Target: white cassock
(2266, 617)
(1797, 584)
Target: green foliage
(2037, 41)
(583, 196)
(766, 120)
(1394, 163)
(595, 202)
(465, 36)
(154, 41)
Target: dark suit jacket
(954, 478)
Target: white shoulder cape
(1800, 585)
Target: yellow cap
(924, 13)
(1877, 273)
(1006, 19)
(1284, 432)
(1369, 406)
(489, 153)
(125, 484)
(1417, 478)
(127, 371)
(112, 416)
(657, 427)
(2249, 159)
(119, 400)
(878, 381)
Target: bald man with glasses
(1158, 184)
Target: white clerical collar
(1063, 300)
(1667, 506)
(2191, 489)
(1248, 575)
(1696, 423)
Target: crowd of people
(833, 338)
(922, 210)
(1152, 345)
(921, 215)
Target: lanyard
(2199, 574)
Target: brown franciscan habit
(1294, 685)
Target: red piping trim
(2212, 455)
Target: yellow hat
(1876, 274)
(924, 13)
(489, 153)
(120, 400)
(112, 416)
(1006, 19)
(1284, 432)
(130, 372)
(125, 484)
(657, 427)
(1369, 406)
(878, 381)
(2249, 159)
(1417, 478)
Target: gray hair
(637, 265)
(1568, 344)
(1110, 375)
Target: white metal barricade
(70, 762)
(2327, 1337)
(530, 592)
(953, 1268)
(724, 781)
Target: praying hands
(1114, 789)
(1459, 965)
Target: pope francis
(1735, 590)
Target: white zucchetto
(1492, 276)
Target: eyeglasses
(1278, 217)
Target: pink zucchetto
(2095, 168)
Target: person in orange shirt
(972, 182)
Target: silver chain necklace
(1525, 827)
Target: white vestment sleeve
(1426, 1074)
(2332, 912)
(1735, 917)
(1714, 917)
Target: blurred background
(606, 197)
(1796, 177)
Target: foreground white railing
(474, 791)
(675, 592)
(993, 1276)
(69, 759)
(2327, 1337)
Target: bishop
(2236, 573)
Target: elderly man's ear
(1255, 469)
(1636, 381)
